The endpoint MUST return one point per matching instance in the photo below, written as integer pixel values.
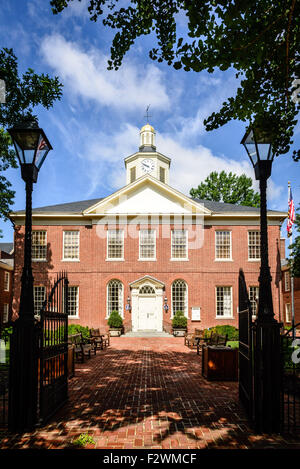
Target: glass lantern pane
(263, 149)
(28, 139)
(41, 152)
(28, 156)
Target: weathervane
(147, 113)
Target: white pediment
(146, 196)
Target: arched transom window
(179, 297)
(115, 297)
(147, 290)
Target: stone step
(146, 333)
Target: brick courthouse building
(148, 251)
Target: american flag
(42, 145)
(291, 214)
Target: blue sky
(97, 122)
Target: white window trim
(145, 259)
(122, 298)
(45, 259)
(5, 313)
(223, 259)
(186, 258)
(287, 280)
(186, 313)
(71, 316)
(289, 322)
(117, 259)
(6, 275)
(65, 259)
(257, 259)
(231, 302)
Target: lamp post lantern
(266, 340)
(32, 147)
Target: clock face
(147, 165)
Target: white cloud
(85, 73)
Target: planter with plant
(115, 323)
(179, 323)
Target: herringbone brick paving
(148, 393)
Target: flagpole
(291, 275)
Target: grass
(233, 344)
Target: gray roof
(80, 206)
(225, 207)
(7, 247)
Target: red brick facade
(202, 273)
(5, 294)
(287, 299)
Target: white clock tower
(147, 160)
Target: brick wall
(5, 296)
(201, 273)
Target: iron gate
(245, 348)
(290, 386)
(53, 356)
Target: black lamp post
(32, 147)
(266, 329)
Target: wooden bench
(192, 339)
(83, 348)
(100, 340)
(214, 339)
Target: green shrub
(77, 328)
(231, 331)
(84, 439)
(115, 320)
(179, 320)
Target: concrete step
(146, 333)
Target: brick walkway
(148, 393)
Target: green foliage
(179, 320)
(231, 331)
(84, 439)
(115, 320)
(295, 248)
(77, 328)
(259, 40)
(229, 188)
(23, 94)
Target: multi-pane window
(254, 245)
(253, 298)
(179, 297)
(39, 245)
(179, 245)
(223, 244)
(71, 245)
(6, 281)
(162, 174)
(5, 312)
(115, 297)
(147, 244)
(115, 244)
(224, 301)
(73, 300)
(146, 290)
(287, 281)
(287, 312)
(39, 295)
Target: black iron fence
(53, 350)
(290, 386)
(4, 373)
(246, 381)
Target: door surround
(158, 288)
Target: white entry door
(147, 313)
